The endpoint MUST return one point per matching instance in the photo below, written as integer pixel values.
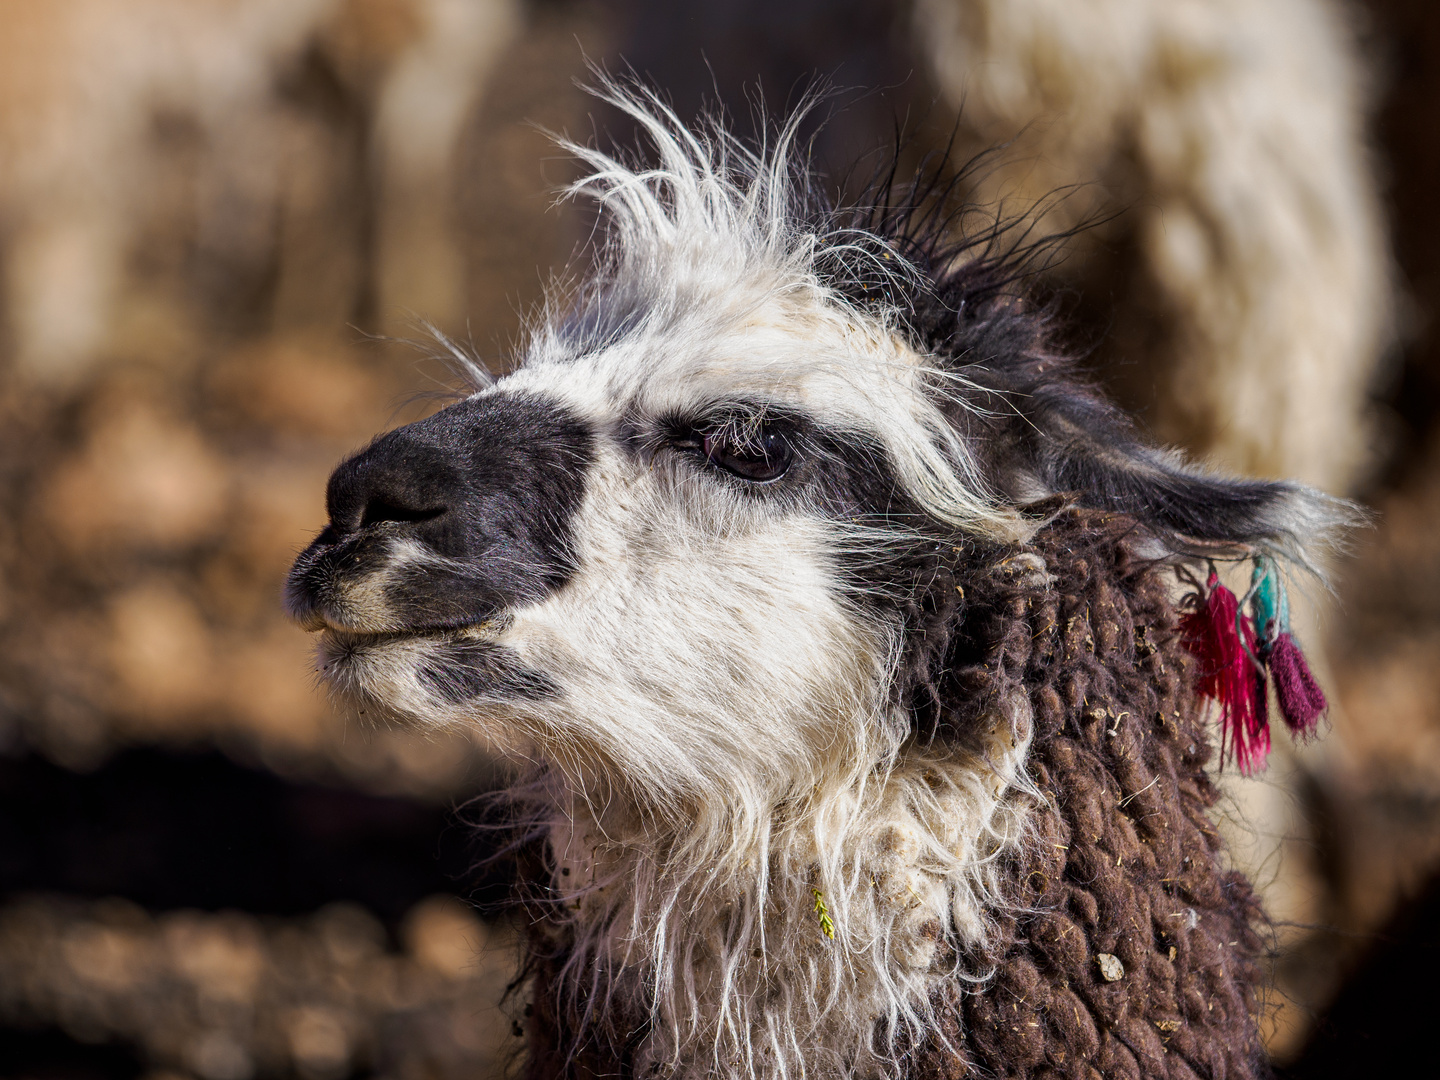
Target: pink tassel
(1302, 702)
(1250, 736)
(1229, 675)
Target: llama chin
(771, 552)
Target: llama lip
(455, 665)
(487, 630)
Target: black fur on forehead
(966, 298)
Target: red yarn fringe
(1302, 702)
(1229, 675)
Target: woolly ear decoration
(1302, 702)
(1236, 652)
(1223, 642)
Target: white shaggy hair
(659, 560)
(1226, 138)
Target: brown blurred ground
(213, 215)
(229, 995)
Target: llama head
(672, 551)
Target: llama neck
(783, 955)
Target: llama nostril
(379, 509)
(402, 478)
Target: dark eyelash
(758, 451)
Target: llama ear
(1067, 439)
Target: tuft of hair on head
(708, 207)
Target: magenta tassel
(1227, 674)
(1250, 736)
(1302, 702)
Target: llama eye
(760, 458)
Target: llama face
(651, 560)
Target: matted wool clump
(835, 624)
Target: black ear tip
(1199, 512)
(1208, 514)
(1310, 525)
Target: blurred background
(221, 225)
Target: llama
(833, 613)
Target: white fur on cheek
(694, 652)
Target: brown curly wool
(1125, 862)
